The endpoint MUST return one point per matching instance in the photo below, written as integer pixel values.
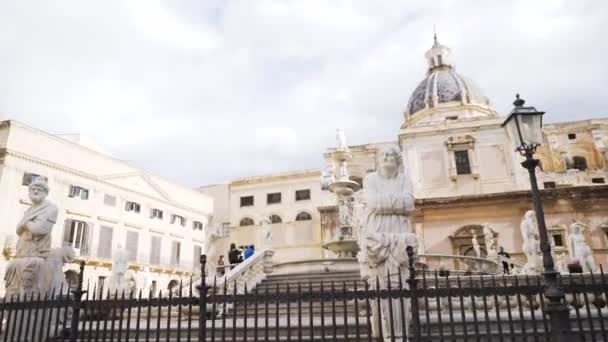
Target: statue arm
(42, 224)
(376, 200)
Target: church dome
(443, 86)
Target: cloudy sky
(206, 91)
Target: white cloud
(202, 92)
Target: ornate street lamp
(524, 127)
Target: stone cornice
(578, 193)
(73, 172)
(276, 177)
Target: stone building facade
(103, 203)
(467, 175)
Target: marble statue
(341, 140)
(475, 243)
(387, 232)
(345, 218)
(266, 228)
(118, 281)
(327, 177)
(343, 175)
(36, 267)
(580, 249)
(490, 241)
(147, 282)
(212, 234)
(531, 246)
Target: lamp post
(524, 127)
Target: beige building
(103, 203)
(290, 200)
(465, 173)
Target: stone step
(304, 277)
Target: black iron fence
(436, 308)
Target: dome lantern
(438, 55)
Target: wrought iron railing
(318, 308)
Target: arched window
(580, 163)
(303, 216)
(246, 221)
(275, 219)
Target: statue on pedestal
(120, 264)
(386, 234)
(341, 140)
(531, 246)
(490, 241)
(580, 249)
(36, 268)
(475, 243)
(266, 227)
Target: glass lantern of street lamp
(524, 127)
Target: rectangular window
(132, 206)
(79, 192)
(28, 178)
(196, 225)
(598, 180)
(157, 214)
(558, 240)
(197, 256)
(76, 234)
(463, 166)
(104, 247)
(178, 219)
(109, 200)
(571, 136)
(246, 201)
(273, 198)
(175, 253)
(302, 195)
(155, 248)
(132, 244)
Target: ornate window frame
(559, 230)
(461, 143)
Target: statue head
(38, 190)
(529, 215)
(389, 161)
(577, 228)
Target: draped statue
(580, 249)
(36, 268)
(386, 233)
(531, 245)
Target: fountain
(344, 243)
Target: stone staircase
(306, 283)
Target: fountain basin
(346, 248)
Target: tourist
(220, 265)
(249, 252)
(505, 265)
(234, 255)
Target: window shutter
(197, 256)
(131, 244)
(155, 250)
(87, 241)
(66, 232)
(104, 248)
